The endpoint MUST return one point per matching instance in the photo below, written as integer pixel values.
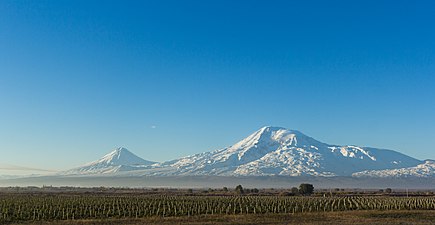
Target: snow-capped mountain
(279, 151)
(426, 169)
(267, 152)
(118, 160)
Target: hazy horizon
(168, 79)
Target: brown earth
(345, 217)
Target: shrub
(306, 189)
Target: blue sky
(171, 78)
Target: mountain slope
(269, 151)
(118, 160)
(427, 169)
(278, 151)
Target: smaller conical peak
(111, 162)
(122, 156)
(120, 150)
(117, 153)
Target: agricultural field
(70, 208)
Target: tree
(239, 189)
(306, 189)
(388, 190)
(295, 190)
(225, 189)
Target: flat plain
(212, 206)
(345, 217)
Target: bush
(306, 189)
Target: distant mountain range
(270, 151)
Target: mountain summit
(279, 151)
(120, 159)
(122, 156)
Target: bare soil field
(347, 217)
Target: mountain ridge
(426, 169)
(269, 151)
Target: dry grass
(346, 217)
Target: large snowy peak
(268, 139)
(269, 151)
(225, 161)
(120, 159)
(279, 151)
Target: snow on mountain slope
(427, 169)
(225, 161)
(118, 160)
(267, 152)
(290, 161)
(278, 151)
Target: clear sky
(167, 79)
